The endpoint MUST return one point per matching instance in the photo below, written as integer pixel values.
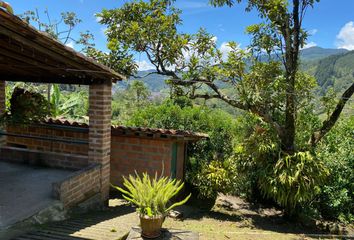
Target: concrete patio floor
(25, 190)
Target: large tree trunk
(288, 140)
(292, 45)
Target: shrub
(294, 180)
(152, 196)
(180, 114)
(336, 201)
(212, 178)
(26, 107)
(290, 180)
(217, 124)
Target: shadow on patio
(110, 224)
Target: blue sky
(331, 21)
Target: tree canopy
(273, 89)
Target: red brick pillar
(2, 107)
(100, 100)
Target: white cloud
(313, 32)
(345, 37)
(70, 44)
(226, 49)
(98, 18)
(144, 65)
(309, 45)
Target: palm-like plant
(152, 195)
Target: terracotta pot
(151, 227)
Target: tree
(265, 77)
(139, 92)
(61, 29)
(127, 101)
(270, 89)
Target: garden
(278, 161)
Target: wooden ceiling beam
(48, 79)
(22, 62)
(38, 47)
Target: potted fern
(151, 196)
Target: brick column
(2, 107)
(100, 100)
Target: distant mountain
(335, 71)
(154, 82)
(316, 53)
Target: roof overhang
(28, 55)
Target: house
(78, 161)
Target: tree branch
(331, 121)
(237, 104)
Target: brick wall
(41, 158)
(78, 187)
(99, 151)
(129, 154)
(2, 106)
(50, 132)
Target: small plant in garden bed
(152, 197)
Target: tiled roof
(136, 131)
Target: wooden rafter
(30, 55)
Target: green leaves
(119, 59)
(294, 180)
(152, 195)
(214, 177)
(149, 27)
(336, 200)
(26, 107)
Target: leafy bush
(152, 196)
(336, 201)
(213, 177)
(217, 124)
(26, 107)
(289, 180)
(294, 180)
(68, 104)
